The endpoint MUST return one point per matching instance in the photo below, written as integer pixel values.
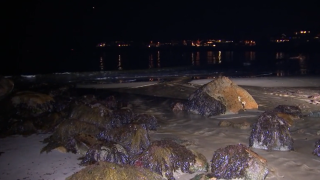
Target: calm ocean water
(254, 62)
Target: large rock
(238, 162)
(31, 104)
(113, 171)
(218, 97)
(166, 157)
(6, 86)
(271, 132)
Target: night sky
(68, 23)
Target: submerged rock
(316, 151)
(288, 113)
(165, 157)
(218, 97)
(271, 132)
(238, 162)
(292, 110)
(112, 171)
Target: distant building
(302, 36)
(247, 42)
(103, 44)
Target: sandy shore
(20, 157)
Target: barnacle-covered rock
(271, 132)
(31, 104)
(121, 116)
(133, 137)
(166, 157)
(113, 171)
(238, 162)
(316, 151)
(66, 132)
(108, 151)
(6, 86)
(201, 103)
(218, 97)
(149, 120)
(97, 116)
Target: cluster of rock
(269, 132)
(114, 140)
(104, 131)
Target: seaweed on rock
(108, 151)
(96, 116)
(238, 161)
(166, 157)
(65, 133)
(113, 171)
(31, 104)
(271, 132)
(133, 137)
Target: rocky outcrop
(238, 162)
(271, 132)
(165, 157)
(219, 96)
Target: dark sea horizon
(112, 62)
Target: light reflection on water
(119, 62)
(158, 60)
(280, 63)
